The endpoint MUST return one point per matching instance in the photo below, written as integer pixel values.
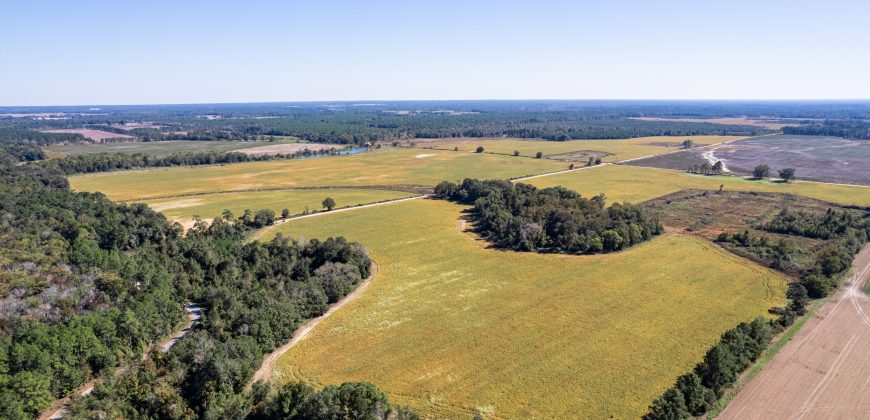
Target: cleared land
(155, 148)
(822, 372)
(451, 327)
(611, 150)
(637, 184)
(183, 209)
(827, 159)
(378, 168)
(773, 124)
(287, 148)
(95, 135)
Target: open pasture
(611, 150)
(384, 167)
(154, 148)
(451, 327)
(183, 209)
(637, 184)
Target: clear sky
(131, 52)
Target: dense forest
(849, 129)
(88, 286)
(522, 217)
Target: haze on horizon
(100, 52)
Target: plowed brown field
(824, 372)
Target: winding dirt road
(824, 372)
(58, 407)
(264, 373)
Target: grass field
(182, 209)
(153, 148)
(383, 167)
(636, 184)
(449, 326)
(616, 149)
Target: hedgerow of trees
(522, 217)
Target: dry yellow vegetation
(616, 149)
(636, 184)
(183, 209)
(451, 327)
(382, 167)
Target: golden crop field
(381, 167)
(636, 184)
(618, 149)
(449, 326)
(183, 209)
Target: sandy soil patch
(95, 135)
(286, 149)
(424, 155)
(176, 204)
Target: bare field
(95, 135)
(772, 124)
(286, 148)
(822, 373)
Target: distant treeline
(87, 286)
(104, 162)
(522, 217)
(847, 129)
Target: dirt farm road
(824, 371)
(264, 373)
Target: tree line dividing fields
(470, 328)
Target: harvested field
(375, 168)
(287, 148)
(183, 209)
(579, 156)
(452, 327)
(612, 150)
(95, 135)
(637, 184)
(826, 159)
(822, 372)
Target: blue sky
(101, 52)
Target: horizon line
(374, 101)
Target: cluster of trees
(695, 392)
(707, 169)
(843, 231)
(87, 286)
(350, 400)
(762, 171)
(832, 223)
(522, 217)
(849, 129)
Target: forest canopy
(525, 218)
